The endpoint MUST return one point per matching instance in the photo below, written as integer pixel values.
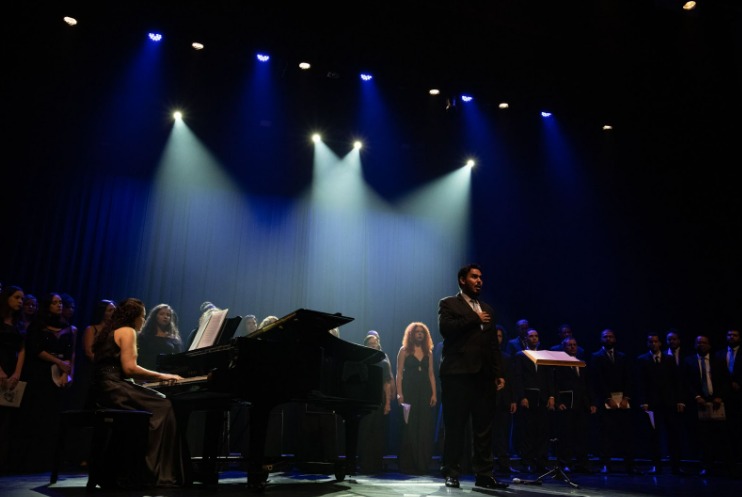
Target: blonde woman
(416, 393)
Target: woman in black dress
(114, 368)
(416, 389)
(159, 335)
(12, 354)
(49, 371)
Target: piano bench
(119, 449)
(67, 421)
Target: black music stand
(557, 472)
(552, 358)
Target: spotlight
(366, 77)
(357, 145)
(434, 91)
(177, 115)
(466, 98)
(470, 163)
(71, 21)
(503, 105)
(316, 137)
(607, 127)
(689, 5)
(263, 57)
(545, 113)
(304, 65)
(197, 46)
(155, 36)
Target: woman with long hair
(159, 335)
(416, 393)
(115, 368)
(12, 355)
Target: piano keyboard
(170, 383)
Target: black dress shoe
(486, 481)
(452, 482)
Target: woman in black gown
(114, 368)
(159, 335)
(416, 388)
(49, 371)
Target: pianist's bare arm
(126, 339)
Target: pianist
(114, 368)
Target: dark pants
(467, 397)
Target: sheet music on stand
(209, 329)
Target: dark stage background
(636, 229)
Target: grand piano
(295, 359)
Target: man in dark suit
(704, 378)
(611, 374)
(518, 343)
(470, 374)
(731, 357)
(564, 332)
(658, 392)
(574, 404)
(534, 393)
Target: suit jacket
(608, 377)
(514, 346)
(692, 375)
(531, 382)
(468, 346)
(567, 380)
(657, 385)
(736, 374)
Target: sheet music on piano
(209, 329)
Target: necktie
(730, 362)
(656, 359)
(704, 378)
(475, 305)
(610, 356)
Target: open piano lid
(305, 319)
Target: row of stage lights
(305, 66)
(316, 138)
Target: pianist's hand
(166, 377)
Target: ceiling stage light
(197, 46)
(357, 145)
(466, 98)
(71, 21)
(434, 91)
(155, 36)
(263, 57)
(366, 77)
(503, 105)
(316, 137)
(304, 65)
(545, 113)
(177, 115)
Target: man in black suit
(658, 392)
(704, 378)
(470, 375)
(574, 405)
(505, 409)
(731, 357)
(611, 374)
(518, 343)
(534, 393)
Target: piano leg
(352, 423)
(257, 473)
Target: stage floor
(233, 483)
